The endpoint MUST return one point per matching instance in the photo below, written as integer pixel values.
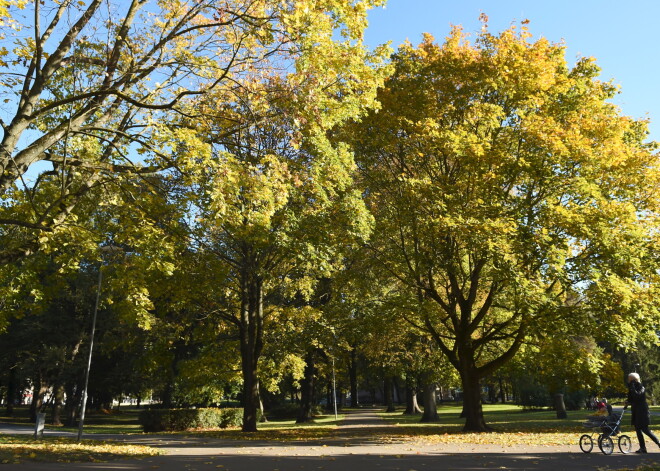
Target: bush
(533, 396)
(232, 417)
(174, 420)
(284, 411)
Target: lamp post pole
(334, 386)
(89, 358)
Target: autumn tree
(85, 83)
(510, 195)
(272, 197)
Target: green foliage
(531, 394)
(172, 420)
(511, 198)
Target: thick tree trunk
(307, 390)
(472, 406)
(430, 407)
(250, 396)
(388, 389)
(412, 407)
(352, 373)
(251, 334)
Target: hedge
(171, 420)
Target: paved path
(12, 429)
(349, 452)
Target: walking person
(641, 418)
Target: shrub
(284, 411)
(171, 420)
(533, 396)
(231, 417)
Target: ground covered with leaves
(17, 449)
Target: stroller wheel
(606, 445)
(625, 444)
(586, 443)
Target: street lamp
(83, 406)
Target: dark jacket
(639, 406)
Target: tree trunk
(560, 407)
(430, 406)
(58, 403)
(166, 399)
(389, 399)
(250, 396)
(72, 402)
(397, 390)
(251, 334)
(262, 412)
(307, 390)
(11, 391)
(412, 407)
(472, 406)
(352, 373)
(492, 397)
(502, 391)
(38, 393)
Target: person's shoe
(641, 451)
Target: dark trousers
(640, 437)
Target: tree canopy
(510, 196)
(264, 197)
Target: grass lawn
(322, 427)
(122, 420)
(17, 448)
(512, 426)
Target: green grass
(321, 427)
(323, 421)
(503, 417)
(120, 421)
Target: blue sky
(623, 36)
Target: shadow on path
(361, 462)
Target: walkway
(349, 452)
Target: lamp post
(83, 405)
(334, 386)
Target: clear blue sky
(623, 36)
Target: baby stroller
(605, 427)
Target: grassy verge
(15, 449)
(284, 430)
(116, 421)
(512, 426)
